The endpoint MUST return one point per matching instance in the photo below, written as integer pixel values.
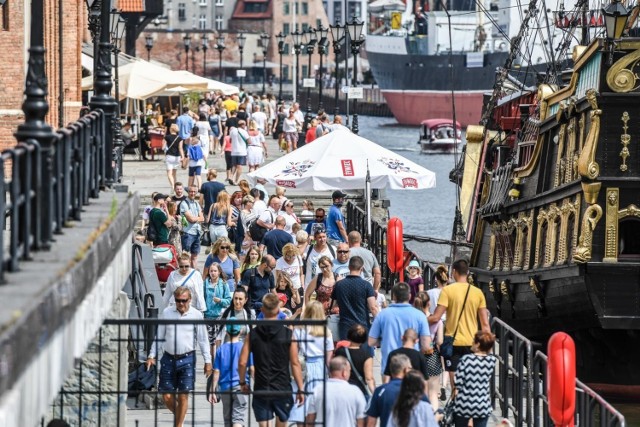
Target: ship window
(629, 240)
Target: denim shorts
(238, 160)
(177, 374)
(190, 243)
(265, 408)
(195, 170)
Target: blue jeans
(477, 422)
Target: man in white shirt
(239, 137)
(260, 118)
(178, 363)
(299, 115)
(267, 218)
(345, 404)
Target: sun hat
(415, 264)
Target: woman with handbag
(219, 217)
(473, 382)
(360, 360)
(434, 364)
(172, 147)
(410, 410)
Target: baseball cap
(234, 329)
(159, 196)
(338, 194)
(283, 298)
(415, 264)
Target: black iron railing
(37, 207)
(520, 386)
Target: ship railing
(520, 383)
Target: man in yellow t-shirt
(230, 104)
(451, 301)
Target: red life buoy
(561, 374)
(395, 245)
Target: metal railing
(43, 189)
(521, 385)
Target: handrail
(35, 207)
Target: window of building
(286, 7)
(286, 49)
(285, 72)
(325, 6)
(304, 73)
(337, 12)
(255, 7)
(286, 29)
(355, 9)
(203, 2)
(194, 21)
(182, 14)
(318, 23)
(219, 2)
(305, 27)
(219, 22)
(5, 16)
(202, 22)
(305, 8)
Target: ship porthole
(629, 239)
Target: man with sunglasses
(178, 362)
(341, 263)
(319, 222)
(185, 277)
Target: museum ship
(550, 196)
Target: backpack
(256, 231)
(152, 233)
(306, 258)
(195, 152)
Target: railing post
(35, 130)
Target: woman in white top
(316, 351)
(205, 134)
(289, 128)
(257, 147)
(185, 276)
(291, 264)
(290, 217)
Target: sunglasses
(326, 266)
(225, 247)
(342, 252)
(185, 266)
(182, 301)
(319, 216)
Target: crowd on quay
(263, 262)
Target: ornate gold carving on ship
(587, 165)
(631, 210)
(611, 225)
(625, 138)
(591, 191)
(591, 217)
(552, 234)
(559, 159)
(492, 246)
(568, 209)
(581, 123)
(541, 238)
(569, 171)
(621, 77)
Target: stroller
(165, 259)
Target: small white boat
(439, 136)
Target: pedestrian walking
(384, 396)
(192, 213)
(360, 359)
(434, 361)
(410, 409)
(371, 271)
(185, 277)
(418, 362)
(336, 231)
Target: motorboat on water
(440, 136)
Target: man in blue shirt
(319, 220)
(336, 231)
(274, 240)
(385, 396)
(259, 281)
(185, 124)
(389, 326)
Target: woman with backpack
(196, 157)
(217, 297)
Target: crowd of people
(265, 262)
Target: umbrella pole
(367, 189)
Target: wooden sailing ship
(551, 196)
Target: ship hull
(411, 107)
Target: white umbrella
(382, 5)
(338, 160)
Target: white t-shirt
(268, 216)
(191, 281)
(289, 125)
(312, 264)
(434, 294)
(345, 403)
(292, 270)
(311, 346)
(259, 206)
(290, 220)
(261, 120)
(238, 146)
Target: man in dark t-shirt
(209, 191)
(259, 281)
(271, 346)
(418, 362)
(355, 297)
(274, 240)
(159, 219)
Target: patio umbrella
(382, 5)
(343, 160)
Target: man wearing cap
(227, 381)
(178, 362)
(336, 232)
(160, 219)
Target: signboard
(309, 83)
(241, 73)
(396, 20)
(356, 93)
(344, 89)
(475, 59)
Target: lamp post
(309, 40)
(281, 41)
(615, 22)
(264, 38)
(241, 39)
(205, 47)
(337, 35)
(297, 48)
(148, 43)
(117, 33)
(322, 33)
(220, 47)
(357, 39)
(187, 44)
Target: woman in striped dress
(473, 392)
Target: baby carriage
(165, 259)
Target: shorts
(234, 406)
(177, 374)
(265, 408)
(172, 162)
(450, 365)
(195, 170)
(190, 243)
(291, 137)
(238, 160)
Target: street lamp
(220, 47)
(357, 39)
(118, 25)
(148, 43)
(264, 38)
(297, 48)
(241, 39)
(281, 43)
(337, 35)
(322, 50)
(187, 44)
(309, 40)
(615, 19)
(205, 47)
